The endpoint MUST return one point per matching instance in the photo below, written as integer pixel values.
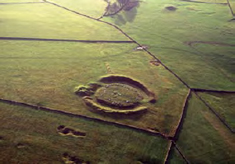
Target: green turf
(176, 158)
(48, 21)
(166, 32)
(36, 132)
(94, 8)
(203, 138)
(46, 73)
(223, 104)
(232, 3)
(18, 1)
(209, 1)
(220, 57)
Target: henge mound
(116, 94)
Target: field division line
(230, 7)
(170, 152)
(180, 152)
(215, 113)
(64, 40)
(209, 90)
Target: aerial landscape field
(117, 81)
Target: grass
(204, 139)
(222, 104)
(176, 158)
(48, 21)
(220, 57)
(89, 7)
(18, 1)
(36, 132)
(47, 72)
(166, 32)
(232, 3)
(211, 1)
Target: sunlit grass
(18, 1)
(48, 21)
(93, 8)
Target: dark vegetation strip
(216, 114)
(191, 43)
(180, 152)
(36, 107)
(64, 40)
(204, 2)
(181, 121)
(230, 7)
(69, 10)
(171, 151)
(20, 3)
(208, 90)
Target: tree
(120, 5)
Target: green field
(222, 104)
(167, 32)
(88, 7)
(34, 138)
(42, 69)
(204, 139)
(42, 21)
(79, 86)
(232, 3)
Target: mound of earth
(171, 8)
(119, 95)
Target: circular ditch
(116, 94)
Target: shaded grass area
(89, 7)
(165, 32)
(203, 138)
(222, 104)
(46, 74)
(47, 21)
(221, 57)
(29, 136)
